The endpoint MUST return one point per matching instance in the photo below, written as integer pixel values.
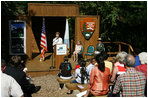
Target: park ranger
(100, 47)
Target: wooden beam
(119, 47)
(56, 10)
(112, 52)
(71, 46)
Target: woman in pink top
(99, 79)
(78, 48)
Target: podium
(60, 51)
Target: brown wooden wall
(45, 9)
(79, 36)
(35, 48)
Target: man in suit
(20, 77)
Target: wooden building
(55, 16)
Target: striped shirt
(130, 84)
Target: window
(17, 31)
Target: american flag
(43, 43)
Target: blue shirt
(137, 61)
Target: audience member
(20, 77)
(65, 70)
(136, 52)
(81, 76)
(90, 66)
(143, 67)
(9, 86)
(78, 65)
(108, 64)
(131, 83)
(99, 78)
(78, 49)
(118, 65)
(14, 61)
(17, 62)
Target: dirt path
(50, 87)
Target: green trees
(120, 20)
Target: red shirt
(121, 68)
(77, 66)
(142, 68)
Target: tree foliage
(124, 21)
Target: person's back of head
(3, 64)
(15, 61)
(84, 75)
(121, 56)
(82, 63)
(79, 61)
(129, 60)
(143, 57)
(65, 59)
(101, 64)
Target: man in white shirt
(9, 86)
(57, 39)
(91, 66)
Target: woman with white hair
(118, 65)
(143, 67)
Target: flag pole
(41, 59)
(43, 42)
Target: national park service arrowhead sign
(87, 27)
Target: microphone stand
(52, 67)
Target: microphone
(55, 39)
